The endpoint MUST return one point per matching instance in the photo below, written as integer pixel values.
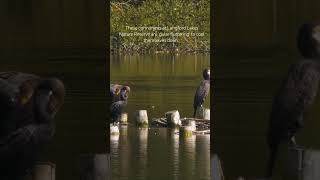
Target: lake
(159, 83)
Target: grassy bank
(173, 23)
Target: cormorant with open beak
(115, 91)
(117, 107)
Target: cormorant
(202, 91)
(29, 124)
(296, 94)
(115, 91)
(117, 107)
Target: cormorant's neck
(124, 98)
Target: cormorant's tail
(272, 160)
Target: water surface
(159, 83)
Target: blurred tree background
(160, 13)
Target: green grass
(160, 13)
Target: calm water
(244, 88)
(81, 122)
(166, 82)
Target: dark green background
(65, 39)
(255, 44)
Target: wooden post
(124, 118)
(141, 117)
(43, 171)
(114, 129)
(206, 114)
(192, 124)
(203, 113)
(173, 118)
(185, 131)
(95, 167)
(293, 165)
(302, 164)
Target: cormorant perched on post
(117, 107)
(296, 94)
(28, 105)
(202, 91)
(115, 91)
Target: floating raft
(202, 125)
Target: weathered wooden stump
(124, 118)
(216, 168)
(114, 129)
(186, 131)
(192, 124)
(173, 118)
(141, 117)
(206, 114)
(95, 167)
(43, 171)
(302, 164)
(203, 113)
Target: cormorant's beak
(24, 99)
(117, 91)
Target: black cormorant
(202, 91)
(115, 91)
(296, 94)
(29, 124)
(117, 107)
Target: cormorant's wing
(300, 88)
(201, 93)
(25, 138)
(7, 93)
(117, 107)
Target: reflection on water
(142, 152)
(159, 84)
(171, 157)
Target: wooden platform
(202, 125)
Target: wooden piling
(192, 124)
(173, 118)
(42, 171)
(114, 129)
(206, 114)
(185, 131)
(95, 167)
(124, 118)
(141, 117)
(302, 164)
(203, 113)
